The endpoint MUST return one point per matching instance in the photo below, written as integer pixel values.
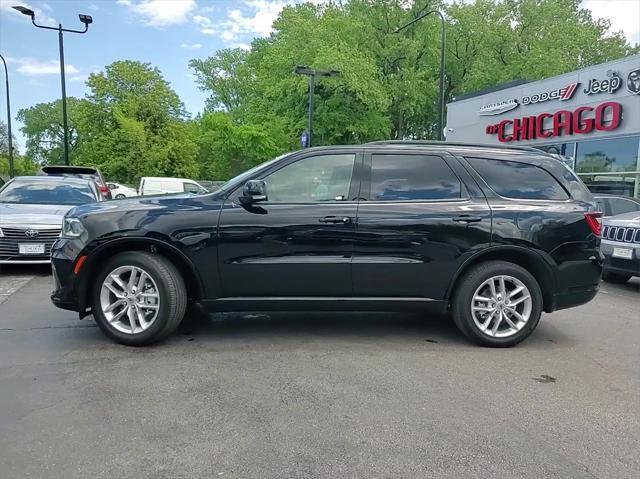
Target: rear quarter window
(518, 180)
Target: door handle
(335, 219)
(467, 219)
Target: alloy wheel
(501, 306)
(129, 299)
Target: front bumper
(621, 265)
(68, 291)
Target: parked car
(31, 212)
(119, 191)
(621, 247)
(612, 205)
(164, 186)
(495, 236)
(87, 172)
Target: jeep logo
(609, 85)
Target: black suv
(493, 235)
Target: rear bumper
(578, 282)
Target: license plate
(626, 253)
(36, 248)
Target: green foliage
(228, 148)
(22, 165)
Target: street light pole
(86, 19)
(312, 74)
(443, 39)
(6, 75)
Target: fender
(98, 252)
(541, 258)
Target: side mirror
(253, 191)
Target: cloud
(93, 8)
(41, 17)
(623, 14)
(160, 13)
(192, 46)
(32, 67)
(246, 20)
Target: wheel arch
(533, 261)
(107, 250)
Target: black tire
(466, 288)
(171, 289)
(615, 278)
(120, 196)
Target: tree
(227, 148)
(389, 82)
(44, 131)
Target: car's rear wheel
(497, 304)
(139, 298)
(616, 278)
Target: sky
(165, 33)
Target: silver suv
(621, 247)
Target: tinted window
(620, 205)
(412, 177)
(317, 178)
(514, 179)
(47, 193)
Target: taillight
(594, 220)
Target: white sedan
(119, 191)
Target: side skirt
(313, 303)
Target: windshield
(47, 193)
(238, 180)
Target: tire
(120, 196)
(163, 291)
(476, 283)
(616, 278)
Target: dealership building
(590, 116)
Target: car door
(417, 222)
(299, 242)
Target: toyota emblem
(32, 233)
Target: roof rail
(453, 144)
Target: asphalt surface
(317, 395)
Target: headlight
(72, 228)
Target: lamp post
(86, 19)
(6, 75)
(312, 74)
(442, 45)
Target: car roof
(165, 178)
(60, 179)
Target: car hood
(32, 215)
(141, 203)
(631, 219)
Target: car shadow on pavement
(25, 269)
(315, 325)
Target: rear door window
(404, 177)
(518, 180)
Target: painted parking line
(9, 284)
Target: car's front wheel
(120, 196)
(139, 298)
(497, 304)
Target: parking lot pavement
(320, 395)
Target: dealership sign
(609, 85)
(498, 107)
(585, 119)
(562, 94)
